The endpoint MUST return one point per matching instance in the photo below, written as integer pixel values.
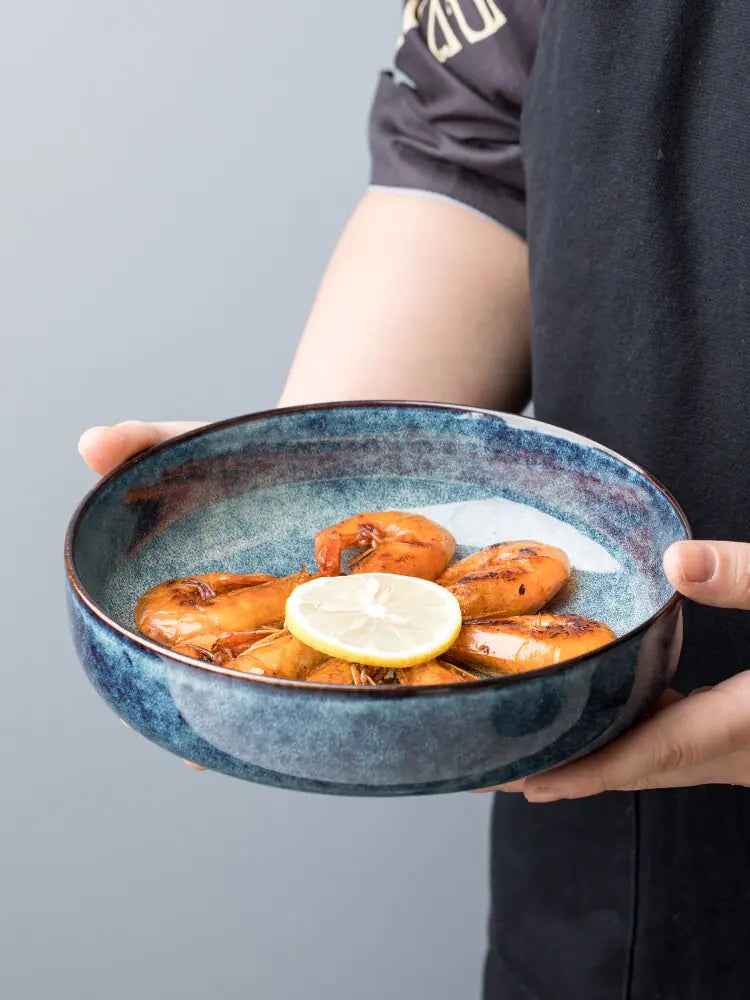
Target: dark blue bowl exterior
(352, 741)
(323, 741)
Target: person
(584, 163)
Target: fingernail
(542, 794)
(698, 563)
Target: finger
(715, 573)
(104, 448)
(731, 769)
(685, 737)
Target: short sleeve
(446, 120)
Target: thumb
(104, 448)
(715, 573)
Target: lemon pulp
(376, 619)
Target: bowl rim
(365, 690)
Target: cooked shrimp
(433, 672)
(198, 610)
(527, 642)
(511, 578)
(274, 654)
(342, 672)
(231, 644)
(197, 652)
(392, 542)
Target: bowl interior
(249, 495)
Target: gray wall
(173, 176)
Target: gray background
(173, 177)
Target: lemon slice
(376, 619)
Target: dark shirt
(447, 119)
(614, 135)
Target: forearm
(422, 300)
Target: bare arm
(423, 300)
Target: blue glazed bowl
(247, 495)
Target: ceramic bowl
(247, 495)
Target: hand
(104, 448)
(698, 740)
